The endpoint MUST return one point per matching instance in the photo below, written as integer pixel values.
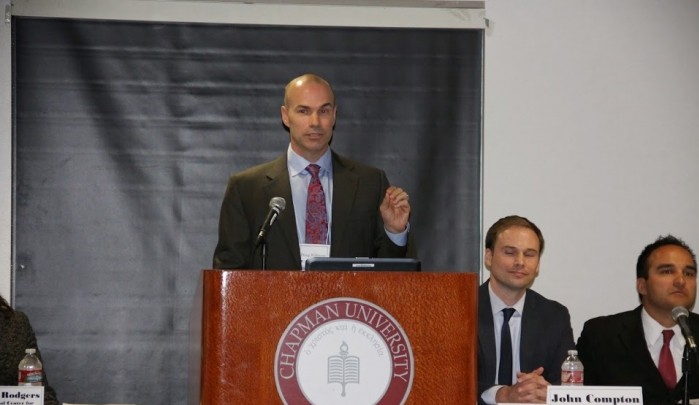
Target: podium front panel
(240, 317)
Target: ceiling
(376, 3)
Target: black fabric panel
(125, 136)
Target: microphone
(680, 315)
(276, 206)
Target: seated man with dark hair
(644, 347)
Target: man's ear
(285, 116)
(488, 258)
(641, 286)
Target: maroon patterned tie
(666, 365)
(316, 214)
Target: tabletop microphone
(276, 206)
(681, 315)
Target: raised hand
(395, 209)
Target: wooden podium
(240, 316)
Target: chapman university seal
(344, 351)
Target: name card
(591, 394)
(12, 395)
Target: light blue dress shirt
(299, 178)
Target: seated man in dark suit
(538, 329)
(630, 348)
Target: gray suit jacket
(614, 352)
(357, 228)
(546, 337)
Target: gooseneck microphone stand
(263, 253)
(276, 206)
(685, 375)
(690, 367)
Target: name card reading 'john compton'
(11, 395)
(591, 394)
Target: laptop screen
(362, 264)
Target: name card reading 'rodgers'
(11, 395)
(591, 394)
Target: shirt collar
(297, 164)
(497, 305)
(653, 330)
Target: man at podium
(332, 206)
(523, 337)
(644, 347)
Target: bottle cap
(30, 351)
(572, 352)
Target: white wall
(592, 131)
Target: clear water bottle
(31, 371)
(572, 369)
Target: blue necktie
(505, 368)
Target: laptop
(362, 264)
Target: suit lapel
(345, 184)
(632, 339)
(278, 185)
(528, 353)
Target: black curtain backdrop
(126, 132)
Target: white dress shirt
(497, 305)
(653, 332)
